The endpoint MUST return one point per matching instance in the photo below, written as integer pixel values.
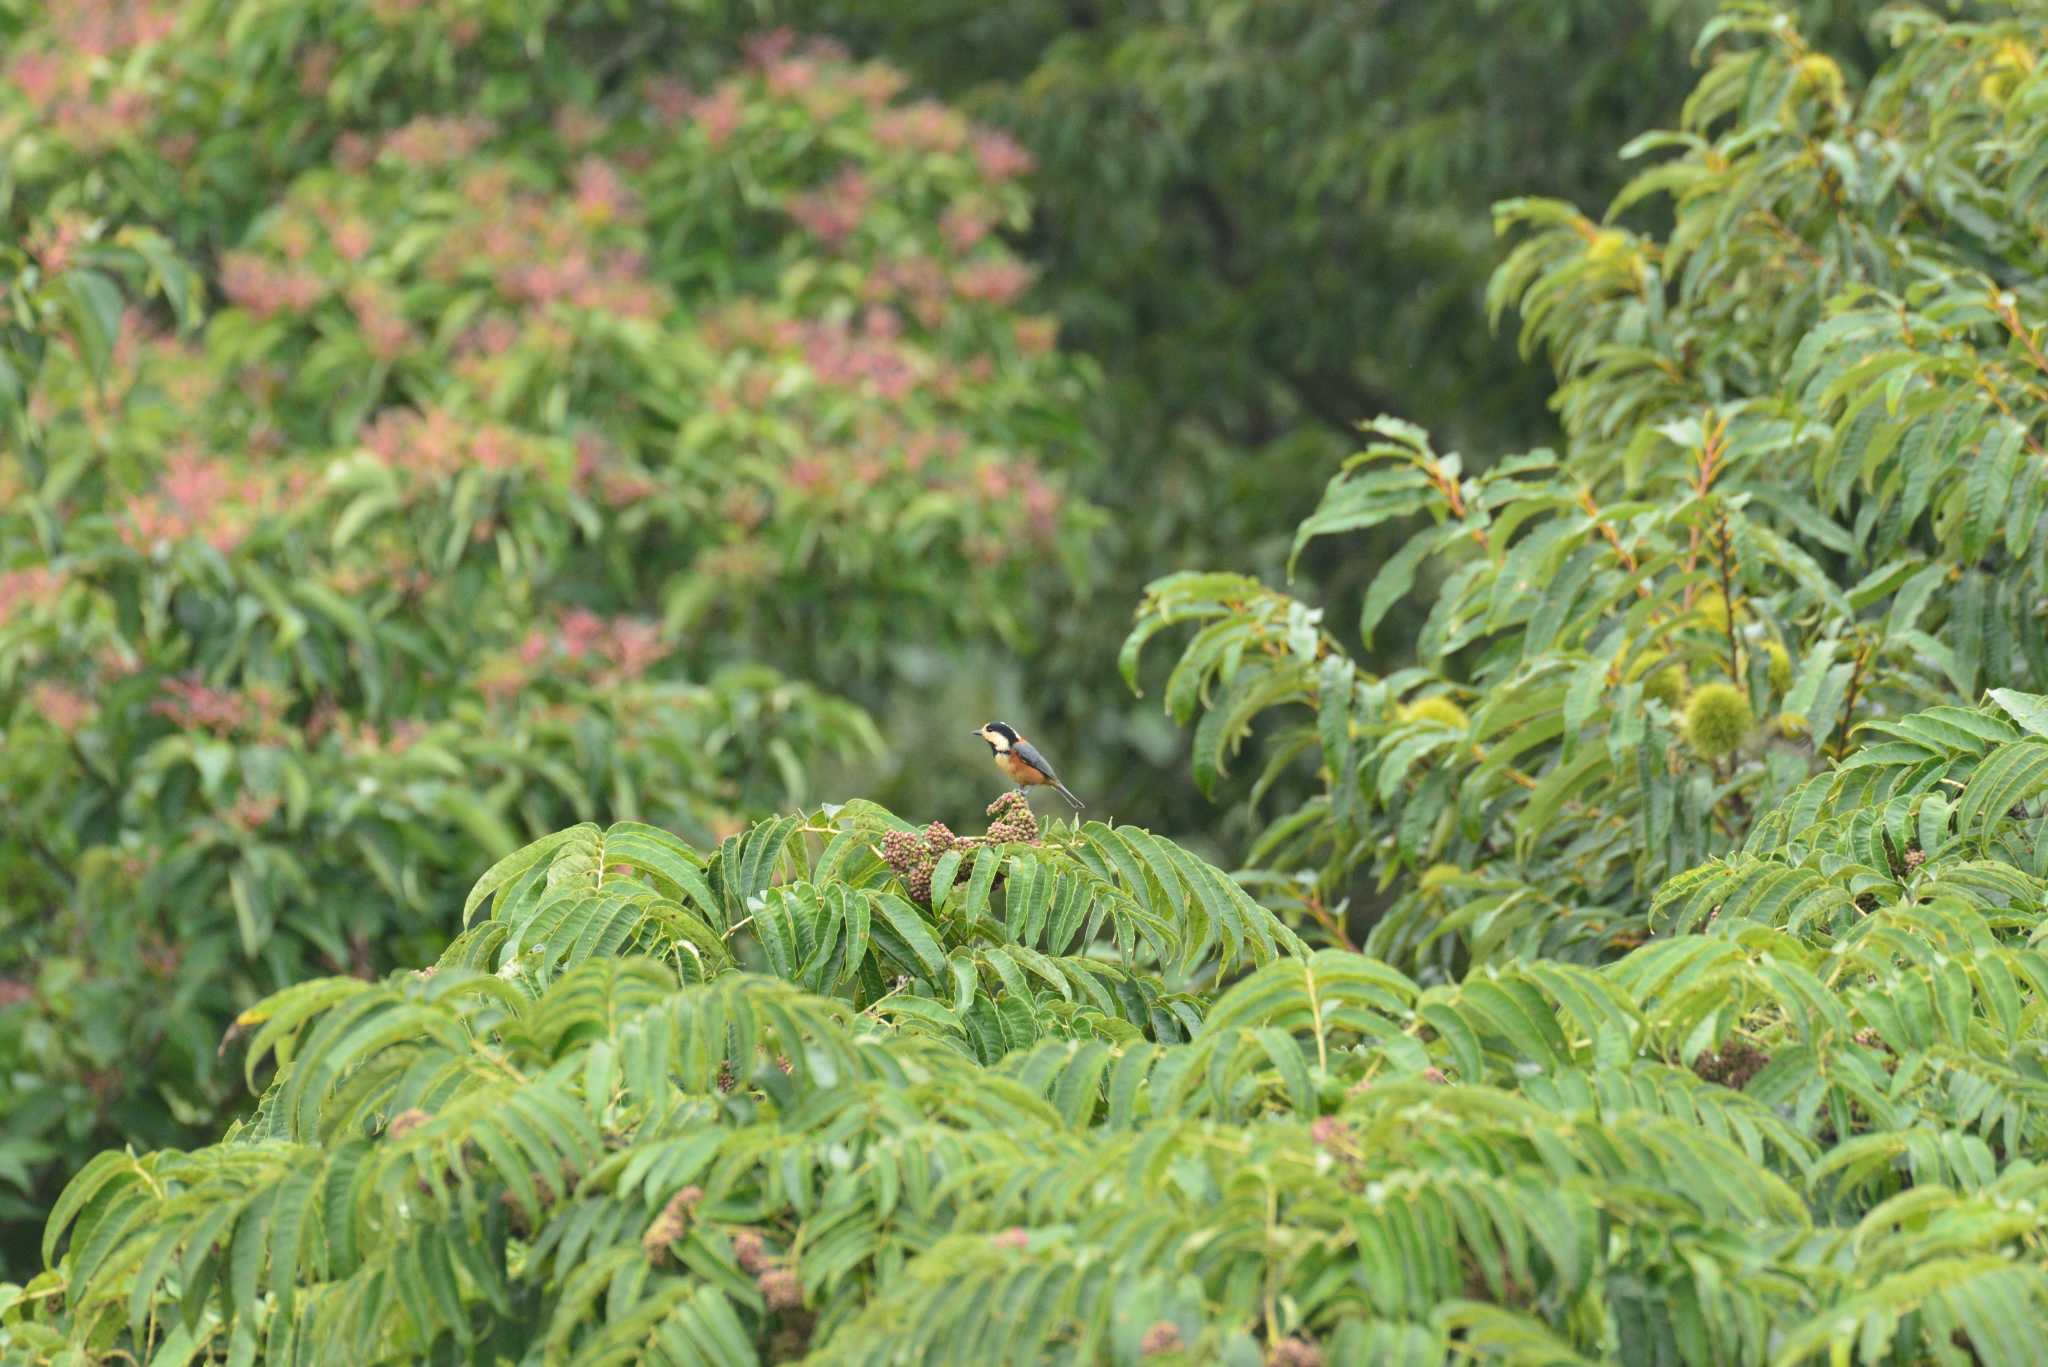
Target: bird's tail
(1078, 803)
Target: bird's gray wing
(1028, 752)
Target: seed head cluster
(1295, 1352)
(1162, 1338)
(1732, 1065)
(1717, 720)
(780, 1289)
(914, 856)
(671, 1224)
(750, 1252)
(405, 1122)
(1665, 683)
(777, 1283)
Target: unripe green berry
(1436, 875)
(1818, 74)
(1666, 685)
(1717, 720)
(1781, 666)
(1712, 610)
(1439, 709)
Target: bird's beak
(975, 734)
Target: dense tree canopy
(1267, 222)
(1638, 960)
(554, 442)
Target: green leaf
(913, 932)
(509, 868)
(93, 303)
(1391, 582)
(2030, 710)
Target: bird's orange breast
(1018, 770)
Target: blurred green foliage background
(587, 453)
(427, 424)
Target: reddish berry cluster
(405, 1122)
(778, 1284)
(780, 1289)
(1012, 821)
(671, 1224)
(914, 856)
(1327, 1131)
(1732, 1065)
(1162, 1338)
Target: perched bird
(1019, 758)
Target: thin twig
(1849, 703)
(1728, 600)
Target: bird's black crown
(1003, 729)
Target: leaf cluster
(426, 430)
(1800, 491)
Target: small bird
(1020, 760)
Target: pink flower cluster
(1018, 486)
(361, 737)
(352, 238)
(720, 113)
(668, 99)
(95, 123)
(612, 649)
(767, 47)
(354, 152)
(578, 126)
(193, 706)
(747, 323)
(965, 224)
(882, 448)
(195, 496)
(996, 280)
(397, 570)
(871, 359)
(53, 244)
(383, 326)
(921, 126)
(1000, 156)
(250, 812)
(614, 284)
(438, 443)
(920, 447)
(1035, 336)
(817, 74)
(921, 281)
(89, 30)
(40, 77)
(832, 212)
(626, 646)
(59, 81)
(618, 484)
(601, 193)
(65, 708)
(31, 587)
(874, 84)
(537, 249)
(432, 141)
(254, 283)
